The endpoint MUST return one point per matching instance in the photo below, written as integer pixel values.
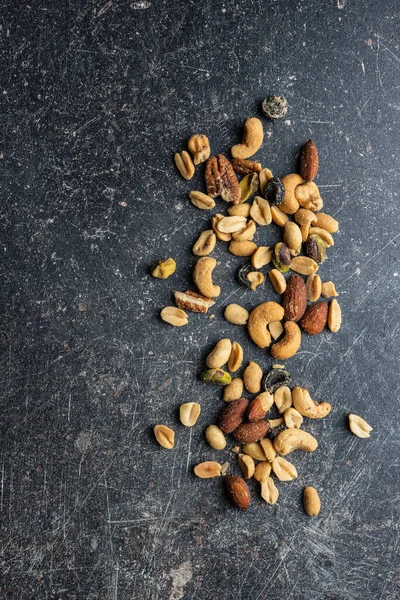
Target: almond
(238, 490)
(294, 298)
(309, 161)
(250, 432)
(231, 415)
(258, 409)
(314, 319)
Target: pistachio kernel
(164, 269)
(315, 248)
(274, 191)
(282, 257)
(274, 107)
(216, 376)
(248, 186)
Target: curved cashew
(290, 204)
(294, 439)
(290, 342)
(253, 135)
(202, 276)
(307, 407)
(259, 318)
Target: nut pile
(257, 200)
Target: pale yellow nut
(184, 164)
(224, 468)
(255, 451)
(205, 243)
(324, 235)
(252, 377)
(334, 316)
(253, 135)
(269, 491)
(278, 216)
(326, 222)
(247, 233)
(174, 316)
(260, 317)
(202, 201)
(215, 437)
(239, 210)
(199, 147)
(164, 436)
(244, 248)
(231, 224)
(224, 237)
(359, 427)
(290, 205)
(207, 469)
(262, 471)
(293, 238)
(268, 448)
(246, 463)
(283, 398)
(164, 269)
(202, 276)
(261, 257)
(255, 278)
(293, 419)
(189, 413)
(236, 314)
(260, 211)
(277, 280)
(311, 501)
(274, 423)
(328, 290)
(235, 358)
(307, 195)
(263, 176)
(289, 344)
(283, 469)
(275, 329)
(220, 354)
(294, 439)
(235, 449)
(305, 218)
(313, 287)
(234, 390)
(303, 265)
(307, 407)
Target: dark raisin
(274, 379)
(274, 191)
(274, 107)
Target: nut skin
(309, 161)
(232, 414)
(253, 135)
(199, 147)
(274, 191)
(315, 248)
(251, 432)
(311, 501)
(239, 491)
(248, 186)
(294, 299)
(314, 319)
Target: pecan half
(213, 177)
(244, 166)
(193, 301)
(230, 191)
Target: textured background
(96, 98)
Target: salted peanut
(260, 211)
(202, 276)
(220, 354)
(202, 201)
(328, 289)
(303, 265)
(199, 147)
(334, 316)
(324, 235)
(234, 390)
(252, 377)
(283, 398)
(164, 436)
(294, 439)
(283, 469)
(184, 164)
(269, 491)
(207, 469)
(189, 413)
(246, 463)
(305, 218)
(224, 468)
(293, 238)
(263, 177)
(313, 287)
(359, 427)
(254, 449)
(215, 437)
(261, 257)
(262, 471)
(235, 358)
(277, 280)
(236, 314)
(278, 216)
(174, 316)
(164, 269)
(235, 449)
(290, 342)
(311, 501)
(307, 407)
(259, 319)
(244, 248)
(224, 237)
(256, 278)
(307, 195)
(274, 423)
(268, 447)
(231, 224)
(205, 243)
(326, 222)
(293, 419)
(247, 233)
(275, 329)
(253, 135)
(239, 210)
(290, 205)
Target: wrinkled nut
(309, 161)
(278, 216)
(244, 248)
(283, 469)
(234, 390)
(246, 463)
(231, 224)
(205, 243)
(275, 329)
(243, 166)
(216, 376)
(290, 204)
(255, 451)
(235, 357)
(239, 210)
(307, 407)
(252, 377)
(164, 436)
(311, 501)
(220, 354)
(184, 164)
(202, 276)
(293, 419)
(164, 269)
(199, 147)
(303, 265)
(230, 189)
(328, 289)
(258, 408)
(324, 235)
(253, 135)
(334, 316)
(215, 437)
(247, 233)
(293, 238)
(359, 427)
(260, 211)
(305, 218)
(307, 196)
(207, 470)
(193, 301)
(275, 423)
(314, 319)
(236, 314)
(248, 186)
(174, 316)
(326, 222)
(313, 287)
(213, 177)
(189, 413)
(260, 317)
(283, 398)
(277, 280)
(263, 177)
(290, 342)
(294, 439)
(262, 471)
(255, 278)
(268, 447)
(269, 491)
(261, 257)
(201, 200)
(224, 237)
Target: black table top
(96, 98)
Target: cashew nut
(202, 276)
(290, 204)
(259, 318)
(307, 407)
(253, 135)
(294, 439)
(290, 342)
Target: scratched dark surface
(95, 99)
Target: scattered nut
(294, 299)
(260, 317)
(164, 269)
(164, 436)
(251, 432)
(307, 407)
(236, 314)
(326, 222)
(290, 342)
(307, 196)
(261, 257)
(238, 491)
(313, 287)
(294, 439)
(189, 413)
(213, 177)
(260, 211)
(293, 238)
(311, 501)
(263, 177)
(252, 377)
(247, 233)
(275, 329)
(235, 449)
(220, 354)
(328, 289)
(232, 414)
(278, 216)
(184, 164)
(205, 243)
(248, 186)
(239, 210)
(274, 107)
(277, 280)
(199, 147)
(193, 301)
(224, 237)
(201, 200)
(324, 235)
(246, 463)
(268, 447)
(259, 407)
(281, 257)
(262, 471)
(244, 166)
(207, 470)
(230, 189)
(290, 204)
(275, 423)
(174, 316)
(244, 248)
(334, 316)
(216, 376)
(283, 469)
(235, 357)
(293, 419)
(269, 491)
(234, 390)
(314, 319)
(309, 161)
(255, 451)
(359, 427)
(275, 378)
(243, 274)
(315, 248)
(283, 398)
(303, 265)
(256, 278)
(202, 276)
(224, 468)
(231, 224)
(215, 437)
(305, 218)
(274, 191)
(253, 135)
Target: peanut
(234, 390)
(313, 287)
(205, 243)
(202, 201)
(164, 436)
(246, 463)
(220, 354)
(189, 413)
(184, 164)
(207, 470)
(236, 314)
(174, 316)
(334, 316)
(277, 280)
(283, 398)
(252, 378)
(311, 501)
(215, 437)
(235, 358)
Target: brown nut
(252, 377)
(236, 314)
(294, 299)
(174, 316)
(184, 164)
(164, 436)
(224, 237)
(207, 470)
(235, 357)
(244, 248)
(238, 490)
(313, 287)
(248, 186)
(230, 188)
(205, 243)
(189, 413)
(277, 280)
(278, 216)
(234, 390)
(246, 463)
(193, 301)
(199, 147)
(258, 408)
(314, 319)
(293, 238)
(293, 419)
(213, 177)
(334, 316)
(290, 204)
(307, 196)
(215, 437)
(290, 342)
(250, 432)
(202, 276)
(262, 471)
(260, 317)
(294, 439)
(244, 166)
(283, 469)
(261, 257)
(232, 414)
(253, 135)
(309, 161)
(260, 211)
(311, 501)
(326, 222)
(220, 354)
(307, 407)
(201, 200)
(283, 398)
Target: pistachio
(234, 390)
(315, 248)
(274, 107)
(274, 379)
(164, 436)
(189, 413)
(235, 358)
(243, 275)
(236, 314)
(260, 211)
(281, 258)
(277, 280)
(248, 186)
(215, 437)
(216, 376)
(205, 243)
(246, 463)
(164, 269)
(202, 201)
(274, 191)
(261, 257)
(256, 278)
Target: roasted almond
(315, 317)
(250, 432)
(232, 414)
(238, 490)
(258, 408)
(309, 161)
(294, 299)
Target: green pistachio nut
(216, 376)
(282, 257)
(248, 186)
